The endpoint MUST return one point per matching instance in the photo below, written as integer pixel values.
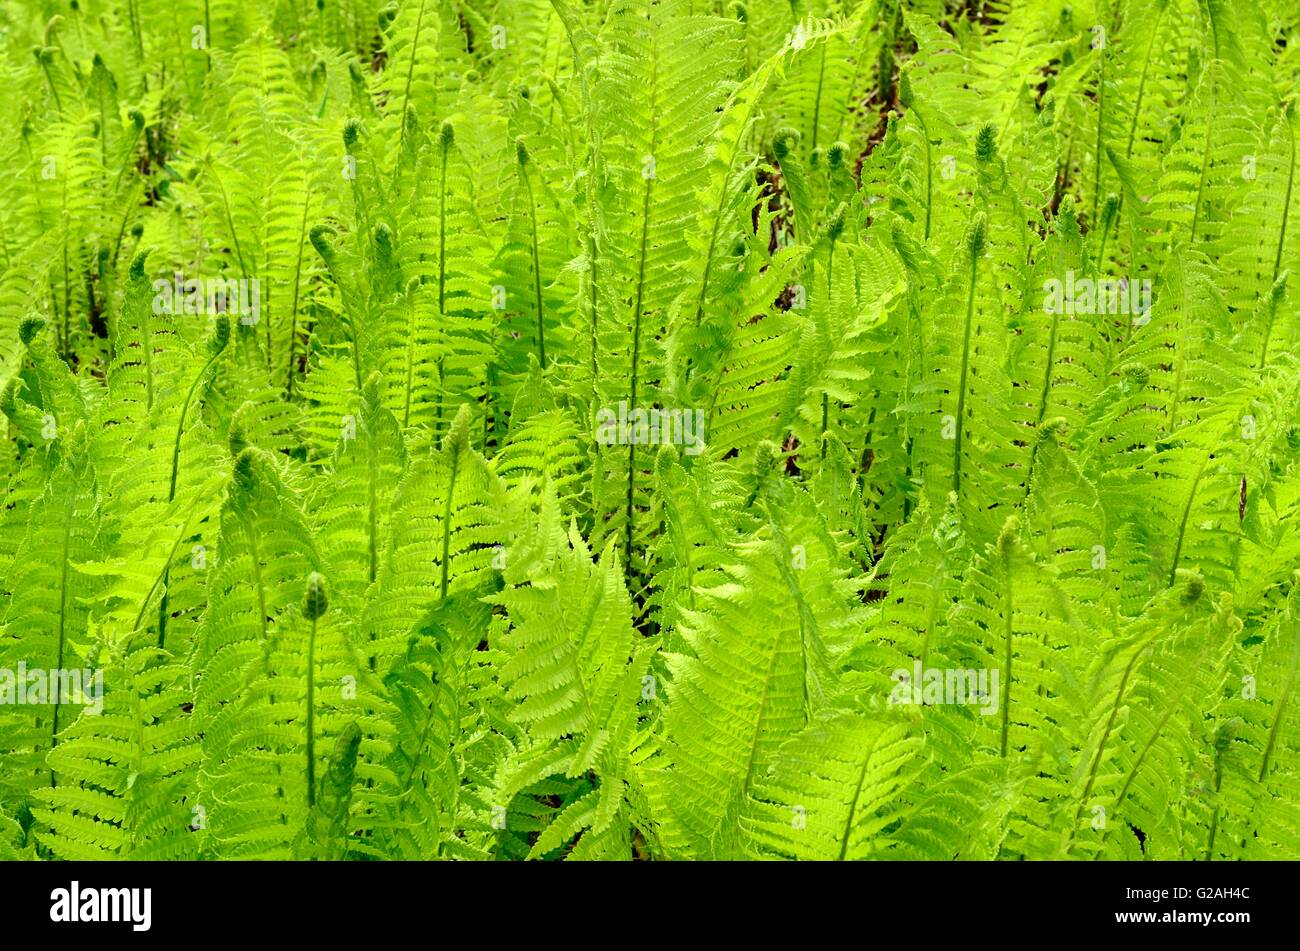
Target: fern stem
(372, 463)
(259, 583)
(1205, 163)
(67, 309)
(1281, 241)
(446, 519)
(297, 285)
(406, 92)
(931, 621)
(161, 579)
(45, 68)
(63, 618)
(965, 368)
(1214, 818)
(442, 282)
(410, 367)
(1137, 105)
(230, 222)
(1280, 713)
(1268, 333)
(1101, 121)
(929, 173)
(311, 716)
(857, 796)
(1170, 709)
(1043, 397)
(134, 16)
(1182, 524)
(1007, 657)
(1142, 81)
(717, 219)
(817, 100)
(1286, 202)
(1063, 178)
(1105, 738)
(636, 366)
(638, 308)
(830, 279)
(595, 326)
(758, 715)
(537, 267)
(171, 493)
(126, 216)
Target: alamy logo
(40, 687)
(212, 296)
(1101, 296)
(103, 904)
(934, 686)
(641, 427)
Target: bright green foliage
(544, 429)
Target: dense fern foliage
(671, 429)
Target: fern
(950, 507)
